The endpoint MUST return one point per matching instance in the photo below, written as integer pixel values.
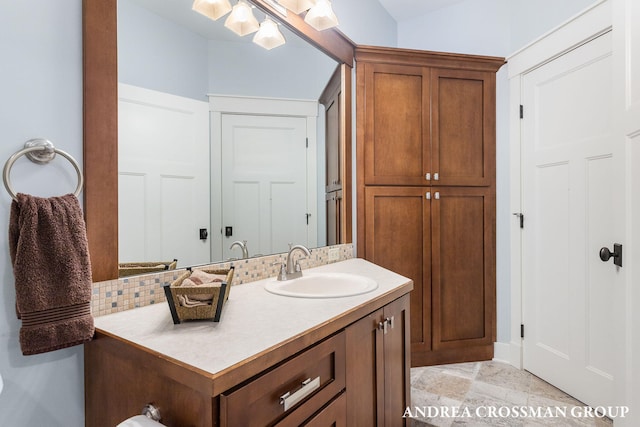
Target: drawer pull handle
(308, 386)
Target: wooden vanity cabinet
(361, 366)
(426, 191)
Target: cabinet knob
(436, 176)
(437, 195)
(152, 412)
(428, 195)
(386, 324)
(428, 177)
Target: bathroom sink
(322, 285)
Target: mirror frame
(100, 121)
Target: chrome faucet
(290, 270)
(243, 246)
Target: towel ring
(40, 151)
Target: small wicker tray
(133, 268)
(213, 311)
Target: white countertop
(253, 320)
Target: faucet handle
(282, 274)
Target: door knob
(606, 254)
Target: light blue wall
(157, 54)
(496, 28)
(366, 22)
(41, 87)
(531, 19)
(288, 71)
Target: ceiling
(404, 9)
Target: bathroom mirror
(100, 119)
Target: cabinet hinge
(307, 142)
(521, 331)
(521, 111)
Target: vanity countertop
(254, 323)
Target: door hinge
(307, 142)
(521, 111)
(521, 330)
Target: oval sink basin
(322, 285)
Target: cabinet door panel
(463, 120)
(398, 238)
(396, 110)
(463, 260)
(364, 377)
(334, 213)
(397, 348)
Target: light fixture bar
(297, 6)
(278, 7)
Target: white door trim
(579, 30)
(230, 104)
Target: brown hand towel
(50, 257)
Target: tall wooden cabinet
(426, 191)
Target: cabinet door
(378, 367)
(333, 144)
(397, 362)
(463, 263)
(393, 123)
(364, 377)
(398, 237)
(463, 133)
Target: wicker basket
(219, 290)
(134, 268)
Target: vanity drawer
(262, 401)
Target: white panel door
(627, 77)
(264, 182)
(163, 186)
(572, 208)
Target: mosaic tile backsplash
(112, 296)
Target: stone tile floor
(491, 394)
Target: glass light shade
(297, 6)
(268, 36)
(321, 16)
(212, 9)
(241, 21)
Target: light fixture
(212, 9)
(297, 6)
(268, 36)
(321, 16)
(241, 21)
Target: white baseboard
(507, 353)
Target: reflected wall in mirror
(172, 160)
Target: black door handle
(606, 254)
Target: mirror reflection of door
(264, 182)
(163, 177)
